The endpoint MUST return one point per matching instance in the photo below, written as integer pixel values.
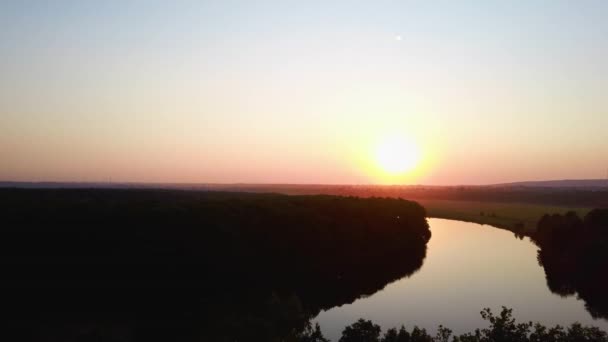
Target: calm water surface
(467, 267)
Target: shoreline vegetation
(574, 254)
(502, 327)
(520, 218)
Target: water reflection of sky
(468, 267)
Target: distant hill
(563, 183)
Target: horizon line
(3, 183)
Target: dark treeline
(577, 197)
(574, 254)
(591, 196)
(127, 265)
(502, 328)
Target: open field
(519, 217)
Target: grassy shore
(517, 217)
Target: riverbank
(516, 217)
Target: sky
(477, 92)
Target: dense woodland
(574, 254)
(225, 266)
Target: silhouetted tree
(361, 331)
(443, 334)
(392, 335)
(420, 335)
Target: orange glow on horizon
(396, 158)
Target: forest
(574, 254)
(226, 266)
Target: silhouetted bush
(361, 331)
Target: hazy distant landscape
(590, 184)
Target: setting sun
(397, 155)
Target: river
(467, 267)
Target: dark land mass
(574, 253)
(517, 207)
(560, 193)
(597, 197)
(158, 265)
(142, 265)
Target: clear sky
(303, 91)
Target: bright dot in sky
(397, 37)
(396, 154)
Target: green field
(519, 217)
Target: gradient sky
(301, 91)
